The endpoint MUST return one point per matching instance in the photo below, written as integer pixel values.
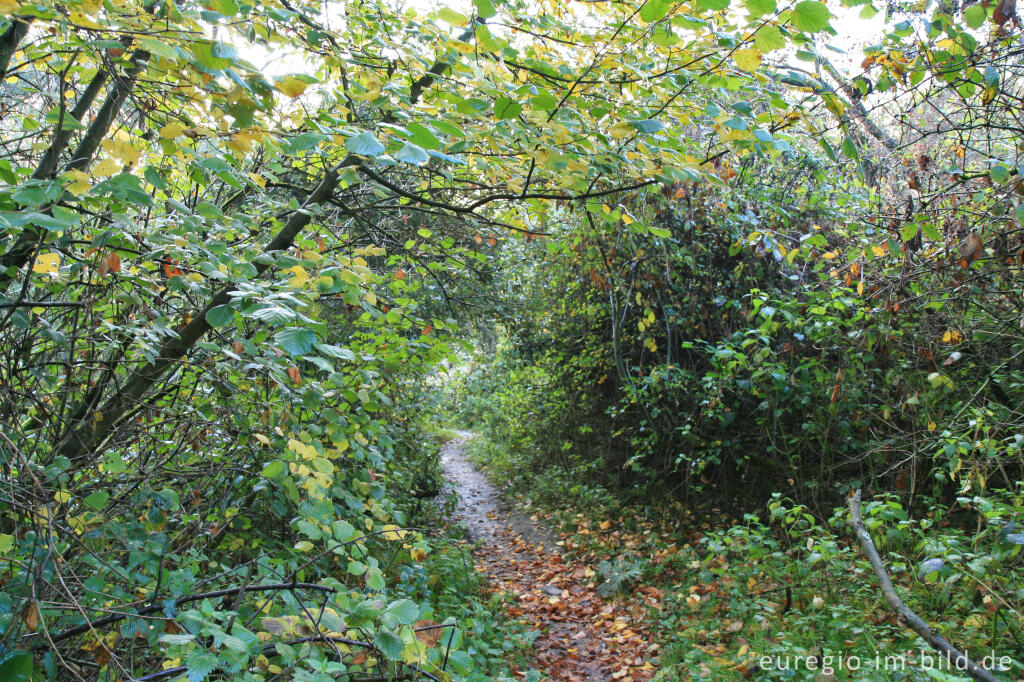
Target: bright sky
(846, 53)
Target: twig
(106, 620)
(270, 649)
(915, 622)
(44, 304)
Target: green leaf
(220, 315)
(226, 8)
(507, 108)
(484, 9)
(654, 10)
(16, 666)
(271, 315)
(829, 152)
(335, 351)
(850, 149)
(975, 15)
(422, 136)
(6, 542)
(403, 611)
(810, 16)
(487, 40)
(769, 38)
(759, 8)
(374, 578)
(735, 122)
(295, 340)
(908, 232)
(273, 469)
(113, 462)
(159, 48)
(712, 5)
(98, 500)
(390, 644)
(648, 125)
(214, 55)
(364, 144)
(173, 640)
(199, 664)
(452, 17)
(412, 154)
(999, 173)
(991, 76)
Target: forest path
(582, 636)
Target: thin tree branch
(915, 622)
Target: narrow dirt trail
(582, 636)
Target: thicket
(225, 286)
(810, 324)
(842, 314)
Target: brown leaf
(32, 616)
(276, 626)
(110, 263)
(294, 375)
(1004, 12)
(970, 248)
(428, 632)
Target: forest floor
(582, 636)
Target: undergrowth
(782, 595)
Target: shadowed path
(582, 637)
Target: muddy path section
(582, 637)
(480, 507)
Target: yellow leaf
(171, 131)
(829, 255)
(562, 135)
(46, 263)
(605, 525)
(8, 7)
(292, 86)
(576, 166)
(259, 180)
(393, 532)
(62, 496)
(621, 129)
(122, 150)
(974, 620)
(106, 167)
(299, 276)
(78, 182)
(261, 438)
(747, 60)
(81, 20)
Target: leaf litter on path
(582, 635)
